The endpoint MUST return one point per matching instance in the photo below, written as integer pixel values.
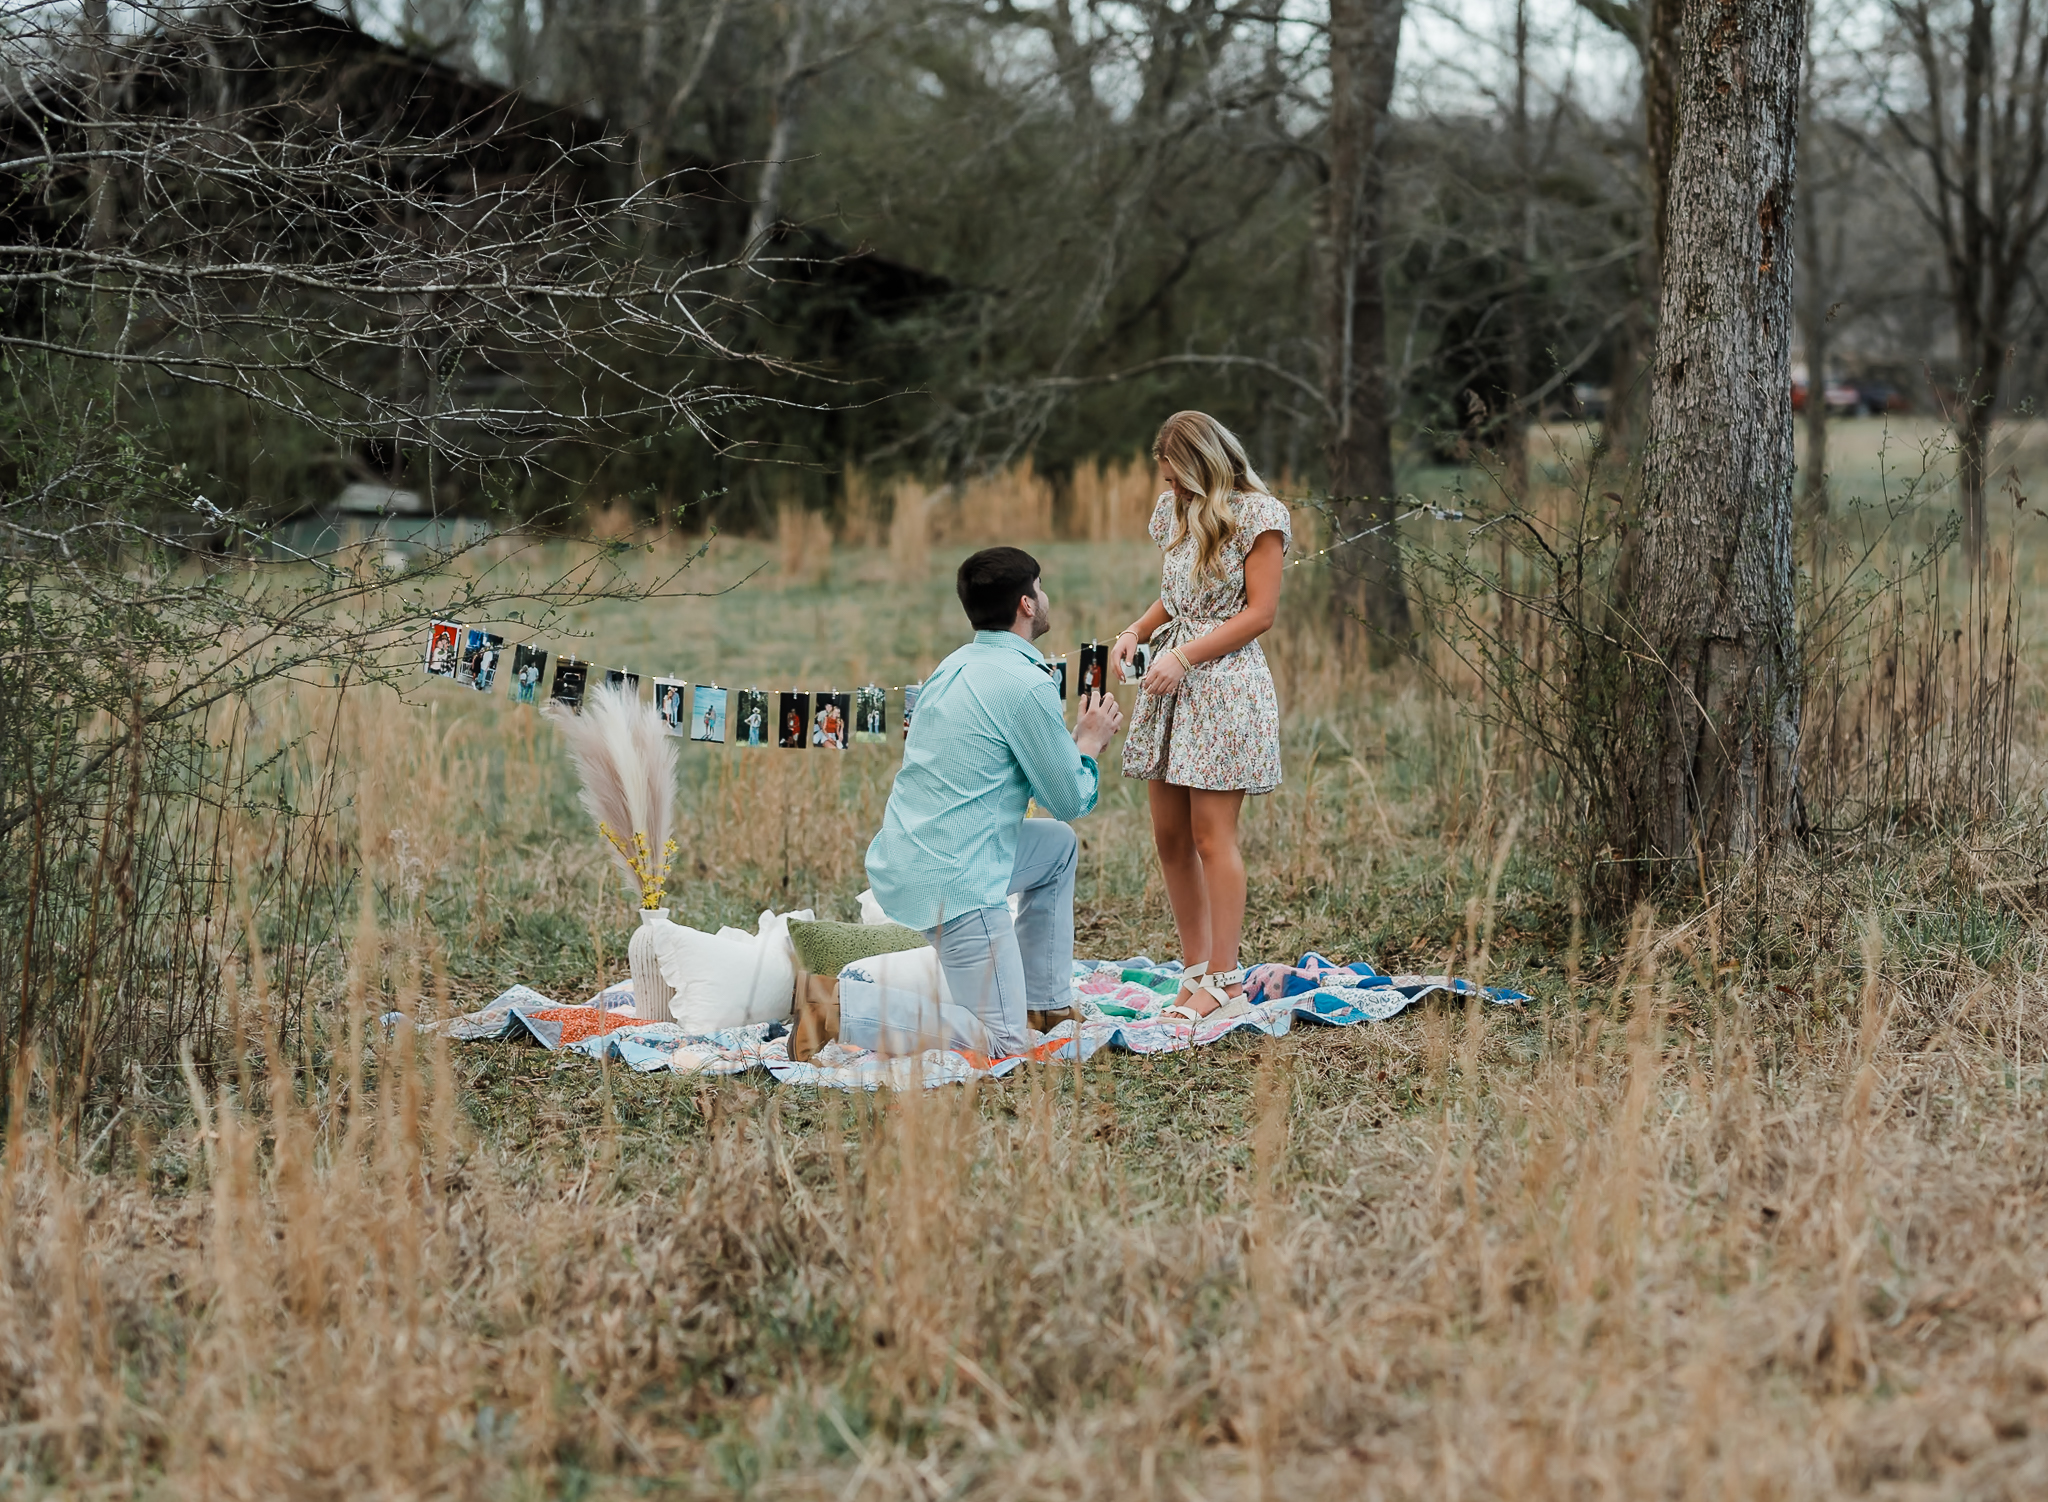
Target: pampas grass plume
(627, 761)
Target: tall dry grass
(803, 545)
(864, 520)
(1910, 713)
(1914, 683)
(1112, 501)
(1013, 505)
(1656, 1242)
(1749, 1204)
(910, 532)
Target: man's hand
(1101, 717)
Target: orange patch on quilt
(579, 1023)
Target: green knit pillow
(827, 948)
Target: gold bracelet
(1185, 665)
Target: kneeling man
(989, 736)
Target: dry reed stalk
(1111, 502)
(910, 532)
(1013, 506)
(613, 518)
(861, 523)
(803, 546)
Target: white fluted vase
(651, 994)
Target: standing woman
(1206, 729)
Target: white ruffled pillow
(730, 978)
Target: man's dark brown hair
(992, 582)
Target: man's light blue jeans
(996, 969)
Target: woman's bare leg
(1173, 834)
(1213, 824)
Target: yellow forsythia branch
(653, 881)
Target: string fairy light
(1436, 513)
(1054, 665)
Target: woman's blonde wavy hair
(1200, 455)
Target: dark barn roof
(289, 69)
(296, 80)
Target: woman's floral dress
(1221, 728)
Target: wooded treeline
(975, 230)
(1110, 185)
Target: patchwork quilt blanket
(1120, 1003)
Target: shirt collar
(1011, 640)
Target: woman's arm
(1261, 604)
(1140, 631)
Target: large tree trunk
(1707, 592)
(1367, 573)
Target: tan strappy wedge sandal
(1226, 1004)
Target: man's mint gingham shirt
(989, 735)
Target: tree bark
(1366, 574)
(1659, 48)
(1713, 663)
(782, 132)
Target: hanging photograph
(833, 723)
(479, 669)
(870, 714)
(750, 719)
(529, 671)
(793, 719)
(707, 713)
(671, 700)
(619, 678)
(1094, 669)
(444, 648)
(571, 678)
(910, 693)
(1060, 674)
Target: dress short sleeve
(1161, 525)
(1259, 513)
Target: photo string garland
(828, 719)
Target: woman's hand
(1165, 678)
(1120, 653)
